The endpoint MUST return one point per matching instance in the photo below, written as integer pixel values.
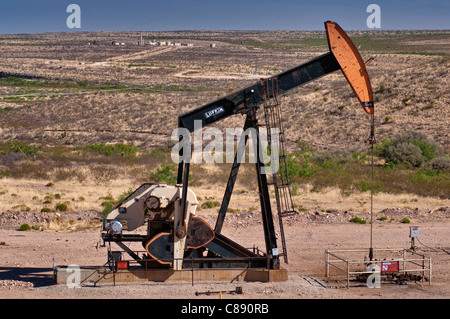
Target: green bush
(17, 146)
(210, 204)
(297, 165)
(167, 173)
(409, 148)
(107, 207)
(62, 207)
(421, 175)
(357, 220)
(290, 167)
(307, 169)
(109, 202)
(427, 149)
(405, 220)
(24, 227)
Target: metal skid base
(226, 261)
(101, 275)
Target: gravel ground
(27, 258)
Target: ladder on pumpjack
(279, 177)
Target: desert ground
(74, 238)
(64, 91)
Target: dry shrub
(32, 170)
(64, 174)
(441, 164)
(61, 224)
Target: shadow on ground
(39, 277)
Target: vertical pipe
(404, 257)
(372, 142)
(348, 275)
(114, 272)
(423, 268)
(192, 269)
(429, 273)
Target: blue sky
(36, 16)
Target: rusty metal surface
(199, 233)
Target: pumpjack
(175, 237)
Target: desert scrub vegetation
(124, 150)
(109, 202)
(62, 207)
(34, 89)
(101, 162)
(406, 163)
(405, 220)
(409, 148)
(210, 204)
(20, 82)
(358, 220)
(18, 147)
(24, 227)
(27, 227)
(412, 164)
(167, 173)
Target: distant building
(170, 43)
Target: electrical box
(414, 231)
(122, 264)
(388, 266)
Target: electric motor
(115, 227)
